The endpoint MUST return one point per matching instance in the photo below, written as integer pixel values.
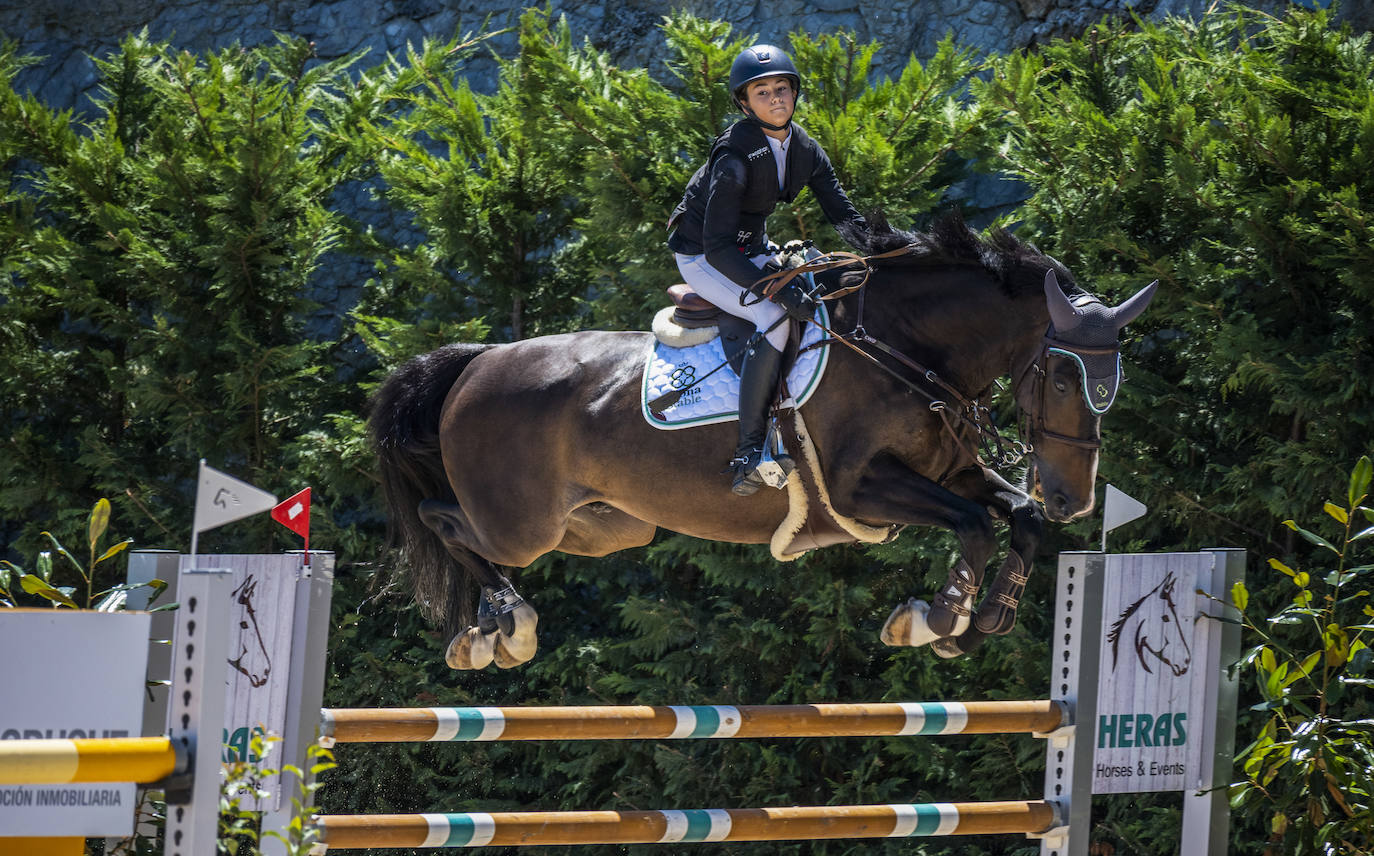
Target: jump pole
(632, 722)
(475, 829)
(101, 759)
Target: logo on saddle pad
(683, 377)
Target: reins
(994, 445)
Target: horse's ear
(1131, 309)
(1063, 315)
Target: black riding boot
(758, 379)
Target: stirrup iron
(775, 465)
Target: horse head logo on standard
(1155, 632)
(494, 455)
(253, 660)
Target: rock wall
(65, 32)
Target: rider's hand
(795, 301)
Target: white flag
(1118, 508)
(222, 499)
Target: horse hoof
(946, 648)
(907, 625)
(471, 649)
(518, 646)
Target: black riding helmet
(761, 61)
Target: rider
(719, 237)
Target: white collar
(779, 148)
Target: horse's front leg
(996, 614)
(891, 492)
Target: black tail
(405, 432)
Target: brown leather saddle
(692, 311)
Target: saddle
(691, 311)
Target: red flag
(294, 514)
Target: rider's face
(772, 99)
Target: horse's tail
(405, 432)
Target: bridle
(994, 447)
(1032, 423)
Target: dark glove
(795, 301)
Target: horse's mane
(1017, 265)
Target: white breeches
(723, 292)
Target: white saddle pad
(716, 398)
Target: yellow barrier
(112, 759)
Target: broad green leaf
(1240, 596)
(1359, 480)
(114, 550)
(44, 565)
(1311, 537)
(62, 551)
(1268, 662)
(1278, 825)
(40, 587)
(1305, 669)
(100, 521)
(1281, 567)
(1337, 512)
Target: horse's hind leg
(506, 628)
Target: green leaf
(1311, 537)
(1281, 567)
(1268, 662)
(1305, 669)
(1240, 596)
(114, 550)
(100, 521)
(1359, 481)
(44, 565)
(1337, 512)
(40, 587)
(62, 551)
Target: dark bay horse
(493, 455)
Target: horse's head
(1067, 387)
(1166, 641)
(1157, 633)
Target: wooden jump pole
(100, 759)
(476, 829)
(629, 722)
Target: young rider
(719, 238)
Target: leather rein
(993, 445)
